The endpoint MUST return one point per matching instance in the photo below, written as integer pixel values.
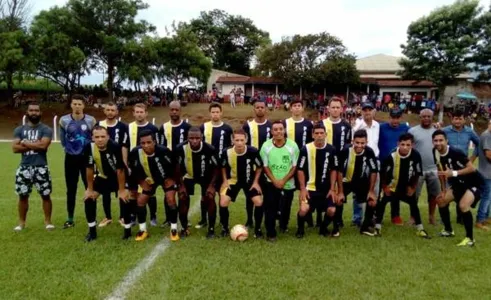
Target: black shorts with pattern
(27, 176)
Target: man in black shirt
(399, 177)
(105, 173)
(197, 163)
(152, 166)
(358, 174)
(317, 174)
(465, 185)
(241, 170)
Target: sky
(366, 27)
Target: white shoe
(50, 227)
(19, 228)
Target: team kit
(324, 161)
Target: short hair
(78, 97)
(194, 129)
(33, 102)
(146, 132)
(213, 105)
(277, 122)
(360, 133)
(457, 113)
(426, 110)
(406, 137)
(335, 99)
(318, 125)
(438, 132)
(239, 131)
(296, 101)
(110, 103)
(99, 127)
(258, 101)
(140, 105)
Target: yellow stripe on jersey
(168, 134)
(188, 162)
(351, 165)
(133, 131)
(98, 161)
(290, 129)
(103, 123)
(254, 132)
(311, 159)
(208, 132)
(438, 162)
(232, 162)
(395, 172)
(329, 130)
(146, 168)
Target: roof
(405, 83)
(378, 63)
(247, 80)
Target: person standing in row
(75, 135)
(484, 212)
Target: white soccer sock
(420, 227)
(92, 224)
(173, 226)
(127, 226)
(378, 226)
(143, 226)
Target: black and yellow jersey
(257, 133)
(219, 136)
(117, 132)
(357, 168)
(156, 167)
(398, 172)
(134, 131)
(171, 135)
(456, 160)
(298, 131)
(105, 162)
(198, 165)
(338, 133)
(316, 164)
(240, 168)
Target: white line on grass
(119, 293)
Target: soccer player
(32, 141)
(399, 176)
(172, 133)
(338, 134)
(358, 174)
(75, 134)
(219, 135)
(465, 185)
(105, 174)
(317, 175)
(279, 156)
(197, 163)
(118, 132)
(140, 124)
(258, 131)
(241, 170)
(152, 167)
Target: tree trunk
(10, 88)
(441, 102)
(110, 78)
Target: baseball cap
(395, 113)
(368, 105)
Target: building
(225, 82)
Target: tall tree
(439, 44)
(110, 25)
(229, 40)
(482, 53)
(60, 55)
(308, 60)
(136, 66)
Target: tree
(179, 58)
(136, 66)
(109, 26)
(308, 60)
(14, 43)
(59, 54)
(438, 45)
(229, 40)
(482, 54)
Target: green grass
(36, 264)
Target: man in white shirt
(372, 128)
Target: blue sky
(366, 27)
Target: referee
(75, 134)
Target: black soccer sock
(249, 209)
(106, 205)
(258, 217)
(319, 217)
(125, 210)
(141, 214)
(166, 211)
(152, 205)
(122, 209)
(212, 215)
(300, 223)
(183, 211)
(172, 212)
(133, 207)
(204, 211)
(468, 224)
(338, 216)
(90, 211)
(309, 219)
(445, 215)
(326, 222)
(224, 215)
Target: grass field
(36, 264)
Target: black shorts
(131, 181)
(361, 192)
(319, 201)
(234, 190)
(105, 186)
(154, 187)
(189, 186)
(459, 190)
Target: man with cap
(388, 138)
(372, 128)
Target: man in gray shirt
(484, 211)
(423, 143)
(32, 141)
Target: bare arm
(121, 179)
(475, 139)
(290, 174)
(487, 153)
(301, 179)
(373, 181)
(269, 174)
(17, 147)
(40, 145)
(89, 173)
(257, 175)
(469, 168)
(124, 152)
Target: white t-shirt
(372, 133)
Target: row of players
(327, 170)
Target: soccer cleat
(19, 228)
(126, 234)
(225, 232)
(467, 242)
(258, 234)
(210, 234)
(50, 227)
(153, 223)
(397, 221)
(335, 234)
(121, 222)
(378, 232)
(368, 231)
(105, 222)
(68, 224)
(185, 232)
(201, 224)
(271, 239)
(91, 236)
(141, 236)
(423, 234)
(482, 226)
(445, 233)
(300, 234)
(174, 236)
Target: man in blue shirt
(75, 134)
(388, 138)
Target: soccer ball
(239, 233)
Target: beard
(34, 119)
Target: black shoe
(201, 224)
(249, 224)
(126, 234)
(335, 233)
(210, 234)
(91, 236)
(225, 233)
(68, 224)
(184, 232)
(341, 225)
(368, 231)
(323, 231)
(271, 239)
(300, 234)
(258, 234)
